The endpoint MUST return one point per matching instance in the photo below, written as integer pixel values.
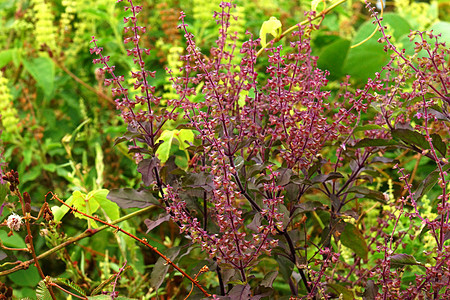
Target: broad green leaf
(371, 52)
(338, 289)
(269, 278)
(14, 241)
(185, 136)
(163, 151)
(6, 56)
(110, 208)
(314, 4)
(352, 238)
(28, 277)
(42, 69)
(285, 266)
(88, 204)
(368, 127)
(332, 57)
(273, 27)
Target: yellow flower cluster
(9, 117)
(45, 29)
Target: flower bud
(27, 207)
(26, 197)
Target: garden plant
(246, 163)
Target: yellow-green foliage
(237, 26)
(203, 11)
(45, 30)
(420, 15)
(82, 29)
(174, 64)
(9, 117)
(66, 18)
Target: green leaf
(42, 293)
(273, 27)
(185, 137)
(87, 204)
(28, 277)
(371, 52)
(70, 284)
(163, 151)
(332, 57)
(110, 208)
(368, 127)
(340, 290)
(42, 69)
(14, 241)
(6, 56)
(352, 238)
(411, 138)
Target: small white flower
(14, 222)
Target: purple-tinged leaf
(426, 185)
(375, 143)
(3, 255)
(240, 292)
(128, 136)
(256, 222)
(309, 206)
(371, 291)
(385, 160)
(128, 198)
(402, 259)
(352, 238)
(146, 167)
(363, 192)
(161, 267)
(152, 224)
(286, 266)
(326, 177)
(411, 137)
(438, 144)
(284, 176)
(269, 279)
